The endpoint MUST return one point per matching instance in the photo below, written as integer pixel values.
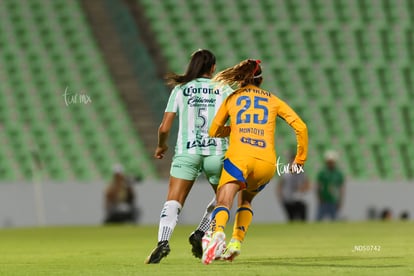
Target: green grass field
(277, 249)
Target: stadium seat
(331, 62)
(345, 65)
(46, 47)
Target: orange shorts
(253, 173)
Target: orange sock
(220, 216)
(244, 216)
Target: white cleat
(206, 239)
(214, 248)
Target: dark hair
(246, 72)
(404, 215)
(386, 214)
(201, 63)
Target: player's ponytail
(201, 63)
(246, 72)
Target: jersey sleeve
(218, 128)
(286, 112)
(172, 105)
(301, 131)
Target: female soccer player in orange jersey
(250, 161)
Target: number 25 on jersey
(244, 116)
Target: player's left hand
(160, 152)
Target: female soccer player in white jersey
(196, 99)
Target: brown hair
(246, 72)
(201, 63)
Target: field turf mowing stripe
(366, 248)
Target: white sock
(206, 220)
(168, 219)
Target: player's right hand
(296, 168)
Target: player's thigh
(212, 166)
(186, 166)
(263, 172)
(234, 170)
(259, 175)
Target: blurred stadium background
(346, 66)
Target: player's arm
(341, 194)
(109, 199)
(319, 187)
(166, 123)
(279, 189)
(218, 127)
(301, 131)
(219, 131)
(163, 133)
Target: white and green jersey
(196, 103)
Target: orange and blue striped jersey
(253, 112)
